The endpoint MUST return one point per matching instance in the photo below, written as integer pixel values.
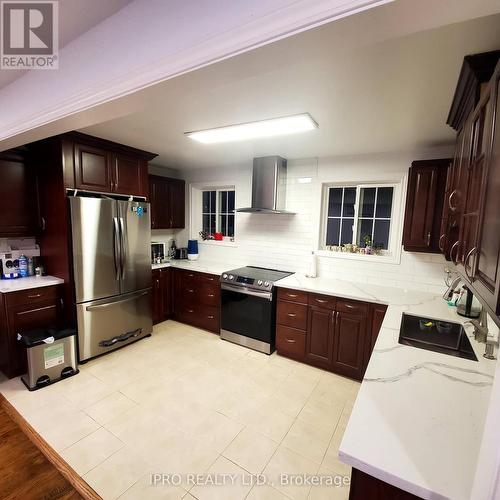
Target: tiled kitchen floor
(184, 402)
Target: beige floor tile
(109, 408)
(291, 464)
(235, 486)
(115, 475)
(67, 429)
(309, 440)
(334, 487)
(287, 401)
(90, 451)
(251, 450)
(216, 431)
(319, 413)
(265, 492)
(270, 422)
(145, 489)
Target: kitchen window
(359, 215)
(217, 212)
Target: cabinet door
(348, 350)
(487, 255)
(176, 202)
(158, 311)
(319, 341)
(166, 286)
(159, 196)
(424, 205)
(92, 168)
(128, 175)
(21, 318)
(18, 196)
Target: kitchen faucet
(449, 293)
(481, 334)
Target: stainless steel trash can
(51, 356)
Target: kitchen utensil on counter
(192, 249)
(313, 266)
(181, 253)
(467, 305)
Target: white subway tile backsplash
(286, 241)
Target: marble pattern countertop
(15, 285)
(418, 420)
(200, 265)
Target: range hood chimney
(268, 186)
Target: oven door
(248, 317)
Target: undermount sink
(435, 335)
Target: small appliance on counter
(193, 249)
(181, 253)
(467, 305)
(158, 252)
(16, 258)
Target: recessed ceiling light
(253, 130)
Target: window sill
(214, 243)
(382, 259)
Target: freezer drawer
(107, 324)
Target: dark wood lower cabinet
(22, 311)
(197, 299)
(320, 338)
(338, 335)
(366, 487)
(162, 295)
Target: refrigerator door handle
(123, 245)
(117, 247)
(114, 302)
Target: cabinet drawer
(353, 307)
(292, 295)
(208, 318)
(290, 341)
(293, 315)
(210, 279)
(326, 301)
(209, 295)
(32, 295)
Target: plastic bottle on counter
(23, 266)
(31, 268)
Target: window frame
(393, 253)
(218, 211)
(196, 210)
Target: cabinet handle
(321, 301)
(429, 239)
(210, 279)
(190, 290)
(349, 306)
(61, 301)
(293, 295)
(466, 262)
(337, 314)
(210, 317)
(290, 341)
(190, 275)
(450, 204)
(43, 223)
(190, 311)
(451, 251)
(292, 315)
(35, 296)
(441, 247)
(211, 295)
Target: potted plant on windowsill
(368, 244)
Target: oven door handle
(247, 291)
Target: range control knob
(266, 283)
(259, 282)
(231, 277)
(224, 276)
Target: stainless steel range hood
(268, 186)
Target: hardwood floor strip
(7, 429)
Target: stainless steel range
(248, 310)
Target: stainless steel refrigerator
(112, 273)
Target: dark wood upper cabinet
(107, 167)
(18, 195)
(424, 205)
(168, 198)
(92, 168)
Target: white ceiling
(370, 85)
(75, 18)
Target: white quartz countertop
(200, 265)
(15, 285)
(419, 416)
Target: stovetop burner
(255, 277)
